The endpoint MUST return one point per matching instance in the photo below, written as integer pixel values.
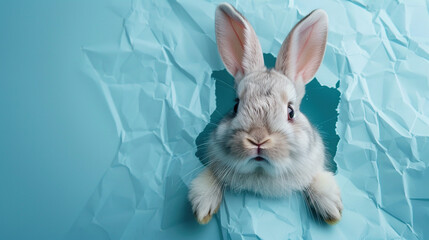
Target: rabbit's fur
(261, 147)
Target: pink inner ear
(303, 55)
(302, 52)
(237, 27)
(232, 47)
(237, 42)
(311, 46)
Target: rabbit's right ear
(302, 51)
(237, 42)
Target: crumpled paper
(158, 85)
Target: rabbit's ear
(237, 42)
(302, 51)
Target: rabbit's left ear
(237, 42)
(302, 51)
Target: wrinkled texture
(158, 86)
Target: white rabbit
(267, 146)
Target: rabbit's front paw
(325, 198)
(205, 195)
(204, 208)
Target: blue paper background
(102, 102)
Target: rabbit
(266, 145)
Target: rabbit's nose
(257, 143)
(258, 135)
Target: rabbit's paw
(205, 195)
(325, 198)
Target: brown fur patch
(332, 220)
(208, 217)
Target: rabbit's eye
(290, 112)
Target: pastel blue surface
(102, 103)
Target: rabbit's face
(267, 133)
(266, 127)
